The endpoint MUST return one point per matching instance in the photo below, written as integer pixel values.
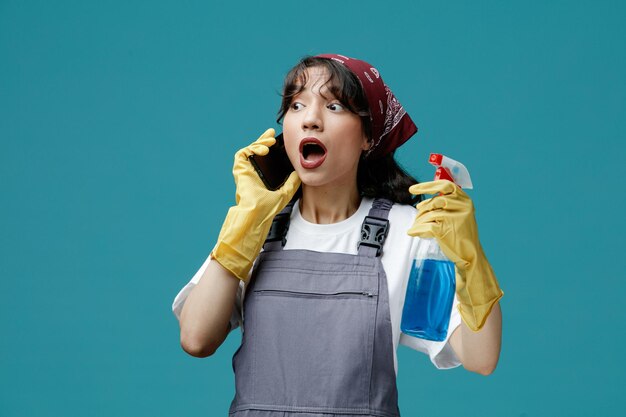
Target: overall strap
(277, 236)
(375, 228)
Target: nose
(312, 119)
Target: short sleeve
(441, 353)
(181, 297)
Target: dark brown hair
(382, 177)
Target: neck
(326, 205)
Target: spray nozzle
(451, 170)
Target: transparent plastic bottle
(430, 293)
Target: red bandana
(391, 125)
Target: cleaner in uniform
(316, 272)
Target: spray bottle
(431, 287)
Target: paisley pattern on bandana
(391, 125)
(395, 112)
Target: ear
(367, 143)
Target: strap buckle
(374, 231)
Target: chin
(310, 179)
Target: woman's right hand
(247, 224)
(251, 192)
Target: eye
(294, 105)
(336, 106)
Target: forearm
(479, 351)
(204, 319)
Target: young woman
(320, 300)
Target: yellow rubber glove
(247, 224)
(449, 217)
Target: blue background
(118, 122)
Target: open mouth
(312, 153)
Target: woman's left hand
(449, 217)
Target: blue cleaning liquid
(429, 299)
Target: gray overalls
(317, 339)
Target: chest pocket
(312, 331)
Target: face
(323, 139)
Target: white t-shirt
(398, 252)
